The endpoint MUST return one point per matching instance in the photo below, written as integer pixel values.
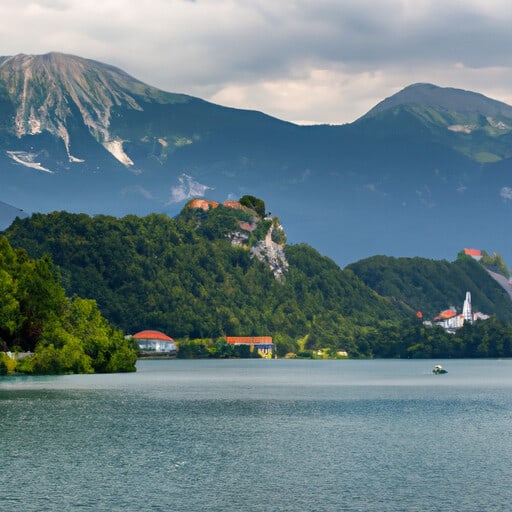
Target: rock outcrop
(272, 253)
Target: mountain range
(425, 172)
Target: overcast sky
(306, 61)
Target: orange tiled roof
(233, 204)
(152, 335)
(447, 313)
(473, 252)
(204, 204)
(248, 340)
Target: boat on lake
(438, 370)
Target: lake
(261, 436)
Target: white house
(155, 341)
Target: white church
(451, 321)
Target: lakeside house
(262, 344)
(155, 342)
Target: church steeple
(467, 311)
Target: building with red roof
(229, 203)
(155, 341)
(262, 344)
(474, 253)
(204, 204)
(447, 313)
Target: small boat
(438, 370)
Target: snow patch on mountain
(499, 125)
(28, 160)
(461, 128)
(115, 148)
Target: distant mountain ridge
(469, 122)
(83, 136)
(447, 98)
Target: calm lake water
(260, 436)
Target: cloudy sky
(306, 61)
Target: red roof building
(229, 203)
(248, 340)
(447, 313)
(204, 204)
(155, 341)
(155, 335)
(263, 344)
(474, 253)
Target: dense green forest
(430, 286)
(65, 335)
(185, 277)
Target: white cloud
(315, 97)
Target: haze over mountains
(426, 172)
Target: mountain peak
(472, 124)
(443, 98)
(49, 62)
(46, 89)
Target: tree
(9, 306)
(107, 349)
(67, 336)
(41, 298)
(258, 205)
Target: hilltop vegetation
(65, 335)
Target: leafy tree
(66, 336)
(7, 365)
(47, 360)
(9, 306)
(258, 205)
(41, 299)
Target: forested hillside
(184, 277)
(199, 278)
(431, 286)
